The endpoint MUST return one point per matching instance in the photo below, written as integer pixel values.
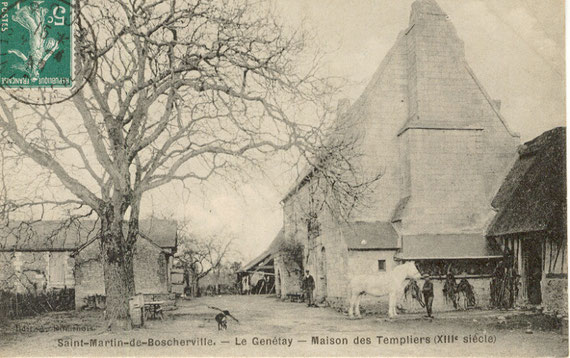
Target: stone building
(531, 223)
(265, 266)
(153, 259)
(45, 255)
(427, 124)
(36, 257)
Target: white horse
(389, 283)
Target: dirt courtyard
(269, 327)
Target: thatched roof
(533, 195)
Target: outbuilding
(531, 225)
(41, 256)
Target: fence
(17, 305)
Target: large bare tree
(165, 90)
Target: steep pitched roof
(399, 211)
(376, 235)
(436, 60)
(62, 235)
(48, 235)
(533, 195)
(161, 232)
(441, 90)
(257, 260)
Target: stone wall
(151, 267)
(88, 274)
(366, 262)
(289, 278)
(379, 305)
(331, 254)
(376, 117)
(294, 215)
(29, 272)
(555, 295)
(447, 183)
(295, 229)
(456, 148)
(329, 262)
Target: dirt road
(269, 327)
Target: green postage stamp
(35, 43)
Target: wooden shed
(531, 222)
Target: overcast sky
(515, 47)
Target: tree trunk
(195, 286)
(117, 255)
(217, 282)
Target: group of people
(256, 283)
(308, 286)
(450, 290)
(457, 293)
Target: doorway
(532, 261)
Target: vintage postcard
(283, 178)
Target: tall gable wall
(424, 82)
(426, 123)
(457, 146)
(379, 114)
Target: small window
(381, 265)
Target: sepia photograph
(283, 178)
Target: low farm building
(36, 257)
(531, 224)
(262, 275)
(428, 125)
(47, 255)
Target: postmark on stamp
(35, 43)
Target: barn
(37, 256)
(41, 256)
(443, 147)
(261, 275)
(531, 225)
(153, 258)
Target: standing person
(308, 287)
(450, 289)
(427, 290)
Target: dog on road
(222, 321)
(221, 318)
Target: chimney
(425, 9)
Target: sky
(515, 47)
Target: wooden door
(532, 254)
